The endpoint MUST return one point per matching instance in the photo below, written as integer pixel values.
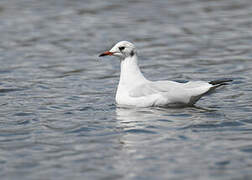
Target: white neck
(130, 72)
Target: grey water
(58, 117)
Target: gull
(135, 90)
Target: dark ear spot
(132, 53)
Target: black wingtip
(220, 81)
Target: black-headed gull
(135, 90)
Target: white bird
(135, 90)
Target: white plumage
(135, 90)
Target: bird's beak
(106, 53)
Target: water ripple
(58, 117)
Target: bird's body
(135, 90)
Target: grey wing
(152, 88)
(173, 91)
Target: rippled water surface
(58, 118)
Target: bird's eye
(121, 48)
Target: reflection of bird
(135, 90)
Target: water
(58, 118)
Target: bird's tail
(216, 84)
(220, 82)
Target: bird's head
(122, 49)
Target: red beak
(106, 53)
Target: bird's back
(163, 93)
